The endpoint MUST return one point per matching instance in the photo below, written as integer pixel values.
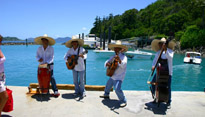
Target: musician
(119, 74)
(165, 60)
(45, 55)
(3, 93)
(75, 45)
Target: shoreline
(177, 49)
(180, 51)
(20, 43)
(104, 85)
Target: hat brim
(38, 40)
(112, 46)
(69, 43)
(156, 48)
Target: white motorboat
(90, 40)
(137, 54)
(192, 57)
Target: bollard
(85, 72)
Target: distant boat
(137, 54)
(192, 57)
(90, 40)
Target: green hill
(11, 39)
(182, 18)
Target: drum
(44, 78)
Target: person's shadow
(71, 96)
(161, 109)
(3, 115)
(112, 104)
(41, 97)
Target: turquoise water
(21, 69)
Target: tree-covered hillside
(11, 39)
(182, 18)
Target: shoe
(56, 94)
(154, 101)
(123, 104)
(84, 95)
(105, 96)
(168, 106)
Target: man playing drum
(45, 55)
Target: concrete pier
(187, 104)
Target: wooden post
(100, 40)
(83, 36)
(85, 72)
(104, 41)
(203, 18)
(95, 42)
(109, 34)
(26, 42)
(84, 62)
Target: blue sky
(58, 18)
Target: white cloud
(56, 36)
(84, 28)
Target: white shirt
(47, 55)
(120, 72)
(2, 64)
(168, 55)
(80, 66)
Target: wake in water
(185, 66)
(141, 70)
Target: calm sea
(21, 69)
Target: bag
(9, 104)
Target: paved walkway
(184, 104)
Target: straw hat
(155, 45)
(74, 38)
(38, 40)
(119, 45)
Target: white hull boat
(193, 58)
(130, 54)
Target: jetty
(186, 104)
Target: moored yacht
(192, 57)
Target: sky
(58, 18)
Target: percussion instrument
(44, 77)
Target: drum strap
(49, 65)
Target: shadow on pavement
(69, 96)
(78, 98)
(5, 115)
(41, 97)
(112, 104)
(161, 110)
